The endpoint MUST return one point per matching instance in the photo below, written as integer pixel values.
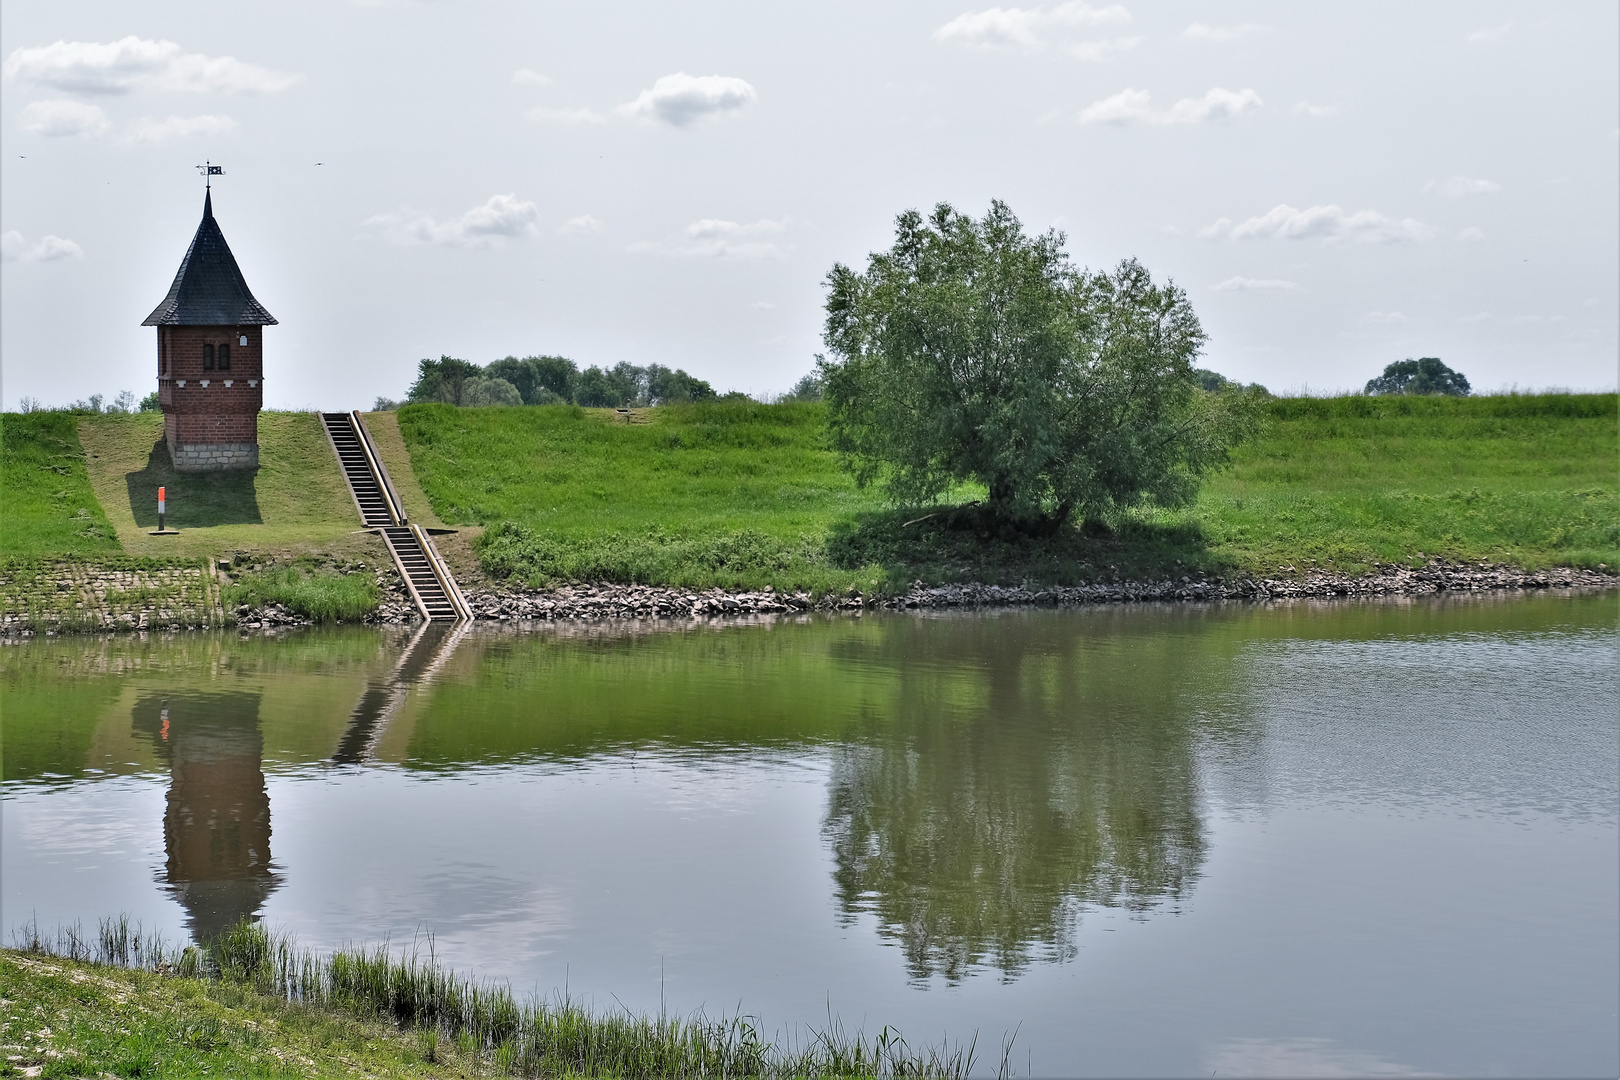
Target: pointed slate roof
(209, 289)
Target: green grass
(1351, 482)
(47, 506)
(296, 503)
(727, 493)
(307, 589)
(745, 495)
(250, 1003)
(72, 1018)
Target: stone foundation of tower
(214, 457)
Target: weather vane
(210, 169)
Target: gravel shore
(648, 601)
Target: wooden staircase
(433, 590)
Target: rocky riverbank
(650, 601)
(87, 599)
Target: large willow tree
(971, 352)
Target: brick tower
(210, 357)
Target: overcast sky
(1335, 186)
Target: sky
(1335, 186)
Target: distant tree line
(1216, 383)
(552, 380)
(124, 403)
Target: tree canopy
(1425, 376)
(971, 352)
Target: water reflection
(216, 823)
(985, 813)
(429, 649)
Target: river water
(1299, 839)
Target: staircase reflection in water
(427, 652)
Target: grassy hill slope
(748, 495)
(78, 501)
(47, 505)
(296, 502)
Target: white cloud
(585, 223)
(1031, 29)
(529, 77)
(148, 130)
(1130, 106)
(1205, 32)
(132, 63)
(720, 239)
(681, 99)
(1002, 27)
(1216, 104)
(496, 221)
(1460, 186)
(15, 248)
(1305, 108)
(1330, 224)
(1485, 35)
(566, 116)
(1471, 235)
(1383, 318)
(1244, 284)
(63, 118)
(762, 305)
(1102, 50)
(1122, 108)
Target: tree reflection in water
(1018, 778)
(216, 826)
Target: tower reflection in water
(216, 826)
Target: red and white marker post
(162, 529)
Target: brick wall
(211, 413)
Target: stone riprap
(649, 601)
(72, 597)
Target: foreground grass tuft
(253, 1004)
(315, 592)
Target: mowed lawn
(728, 493)
(1532, 480)
(746, 494)
(579, 471)
(295, 503)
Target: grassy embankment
(82, 489)
(748, 495)
(252, 1004)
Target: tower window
(208, 358)
(224, 358)
(242, 341)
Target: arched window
(224, 358)
(208, 358)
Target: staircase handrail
(396, 509)
(447, 580)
